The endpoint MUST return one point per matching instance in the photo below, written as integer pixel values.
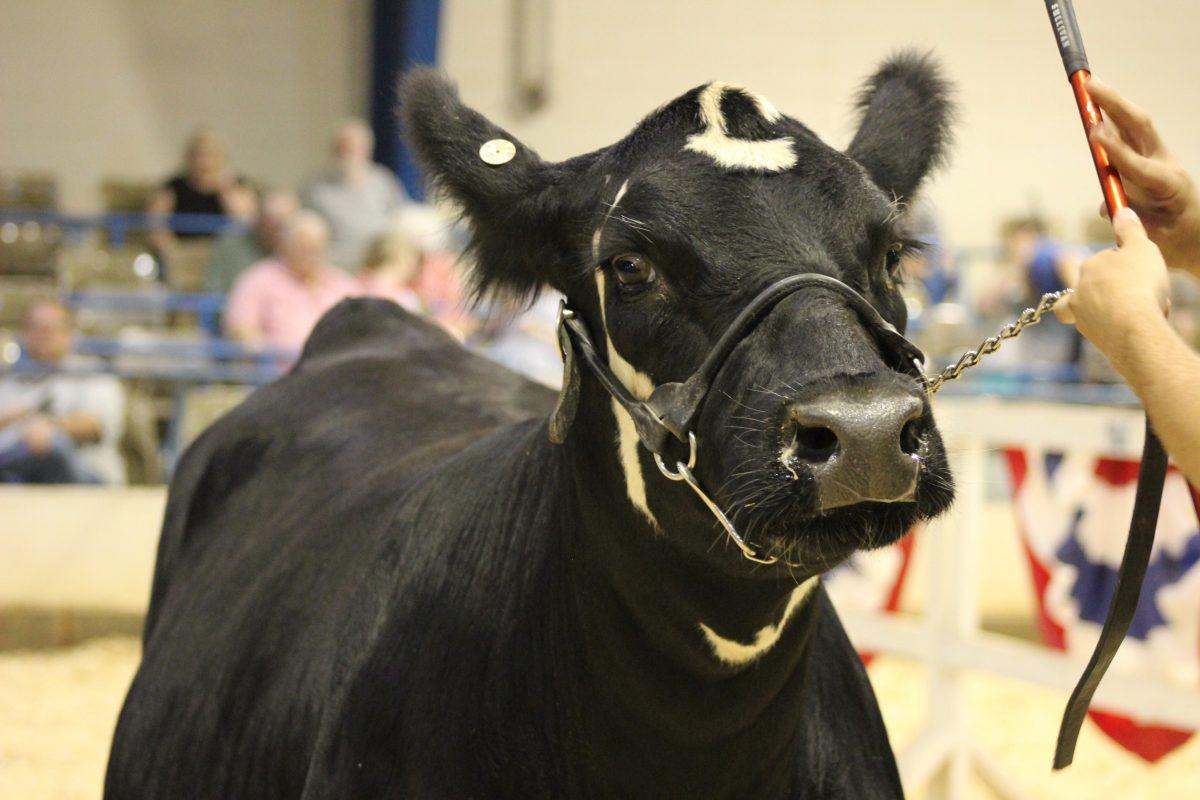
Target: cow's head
(810, 439)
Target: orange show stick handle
(1089, 113)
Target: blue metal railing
(111, 300)
(118, 225)
(197, 350)
(206, 306)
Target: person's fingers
(1133, 119)
(1127, 227)
(1064, 312)
(1150, 174)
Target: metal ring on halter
(563, 313)
(691, 462)
(683, 472)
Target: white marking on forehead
(737, 654)
(596, 236)
(627, 439)
(770, 155)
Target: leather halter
(671, 410)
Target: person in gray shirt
(358, 198)
(58, 424)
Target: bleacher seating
(152, 327)
(29, 248)
(109, 268)
(189, 259)
(31, 190)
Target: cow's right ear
(504, 189)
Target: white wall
(84, 547)
(1019, 140)
(98, 88)
(91, 89)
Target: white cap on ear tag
(497, 152)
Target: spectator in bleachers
(1042, 264)
(208, 184)
(392, 264)
(57, 426)
(357, 197)
(277, 302)
(236, 250)
(1035, 264)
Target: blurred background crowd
(123, 334)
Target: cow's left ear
(507, 193)
(905, 127)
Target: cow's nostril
(910, 436)
(815, 443)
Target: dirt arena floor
(57, 709)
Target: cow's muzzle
(865, 448)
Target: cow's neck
(676, 652)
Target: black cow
(379, 578)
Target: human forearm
(83, 428)
(1165, 373)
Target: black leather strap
(672, 407)
(1125, 597)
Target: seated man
(277, 302)
(357, 197)
(57, 426)
(236, 250)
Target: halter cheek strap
(671, 410)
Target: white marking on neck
(627, 439)
(770, 155)
(737, 654)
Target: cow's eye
(632, 269)
(895, 254)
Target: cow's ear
(506, 192)
(904, 130)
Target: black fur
(906, 94)
(378, 578)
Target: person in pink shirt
(278, 301)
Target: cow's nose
(859, 449)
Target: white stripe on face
(771, 155)
(596, 236)
(627, 439)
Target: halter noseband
(670, 411)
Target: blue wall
(404, 33)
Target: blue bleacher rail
(118, 225)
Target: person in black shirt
(207, 185)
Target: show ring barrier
(947, 637)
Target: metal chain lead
(1030, 316)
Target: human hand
(1159, 189)
(1118, 289)
(39, 433)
